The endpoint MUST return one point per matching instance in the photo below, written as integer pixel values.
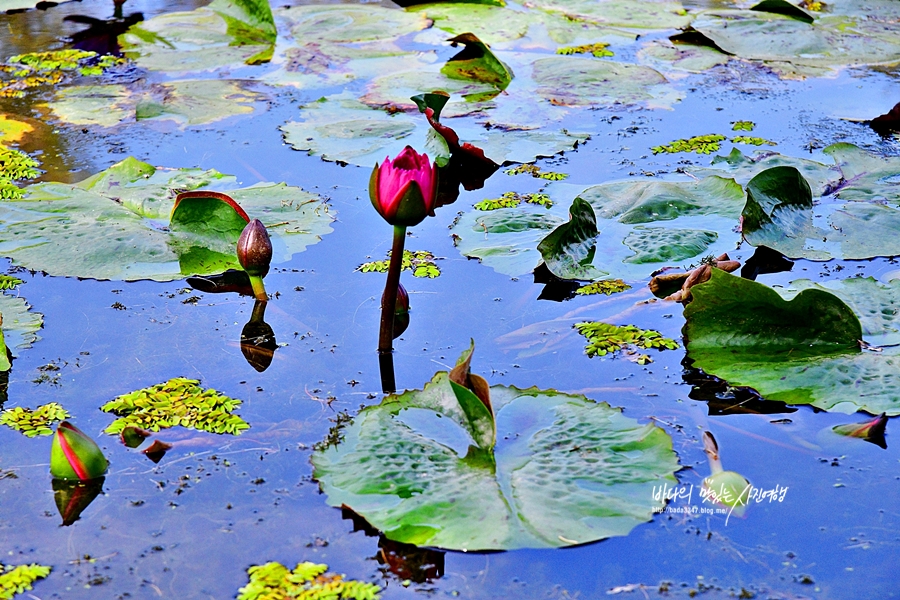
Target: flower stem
(389, 298)
(259, 290)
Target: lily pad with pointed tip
(578, 470)
(805, 351)
(187, 103)
(124, 211)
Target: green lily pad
(877, 305)
(186, 102)
(576, 470)
(507, 28)
(743, 168)
(690, 220)
(778, 213)
(856, 218)
(226, 33)
(638, 14)
(665, 56)
(124, 211)
(476, 62)
(569, 249)
(663, 245)
(831, 41)
(340, 128)
(805, 351)
(579, 81)
(20, 325)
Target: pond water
(191, 525)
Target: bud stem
(259, 290)
(389, 299)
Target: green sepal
(411, 209)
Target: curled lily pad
(569, 249)
(124, 211)
(575, 471)
(806, 351)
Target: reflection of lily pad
(805, 351)
(575, 471)
(186, 102)
(123, 212)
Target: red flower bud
(74, 455)
(254, 249)
(403, 190)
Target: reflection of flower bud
(401, 311)
(403, 190)
(74, 455)
(254, 249)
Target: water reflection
(258, 342)
(724, 399)
(404, 561)
(72, 497)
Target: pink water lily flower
(403, 190)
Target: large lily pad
(226, 33)
(195, 102)
(831, 41)
(803, 351)
(504, 27)
(856, 218)
(422, 468)
(639, 14)
(689, 220)
(113, 225)
(341, 128)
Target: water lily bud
(254, 249)
(401, 311)
(727, 488)
(403, 190)
(74, 455)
